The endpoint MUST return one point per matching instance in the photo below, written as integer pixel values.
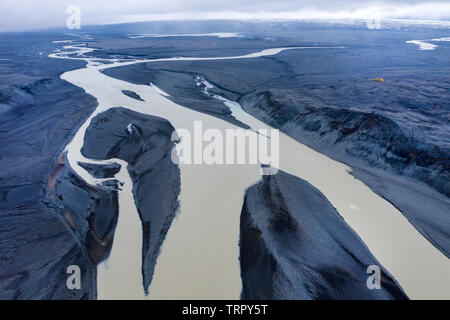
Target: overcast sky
(17, 15)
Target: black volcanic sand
(132, 94)
(39, 114)
(91, 212)
(156, 180)
(101, 171)
(294, 245)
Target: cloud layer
(17, 15)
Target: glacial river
(200, 256)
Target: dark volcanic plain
(395, 135)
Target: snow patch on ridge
(426, 45)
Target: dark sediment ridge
(294, 245)
(412, 175)
(37, 244)
(90, 212)
(144, 142)
(366, 136)
(132, 94)
(101, 171)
